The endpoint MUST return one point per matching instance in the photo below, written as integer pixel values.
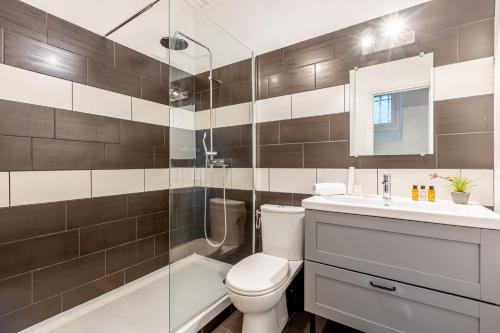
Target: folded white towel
(329, 189)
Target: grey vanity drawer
(358, 300)
(453, 259)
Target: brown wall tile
(161, 157)
(31, 254)
(21, 222)
(262, 86)
(443, 44)
(161, 244)
(87, 212)
(39, 57)
(241, 71)
(292, 81)
(147, 202)
(476, 40)
(309, 129)
(50, 154)
(136, 62)
(241, 92)
(328, 155)
(268, 133)
(309, 52)
(15, 293)
(129, 157)
(91, 290)
(112, 79)
(22, 119)
(273, 198)
(73, 38)
(155, 91)
(55, 279)
(269, 63)
(24, 19)
(462, 115)
(144, 268)
(241, 157)
(103, 236)
(465, 151)
(73, 125)
(333, 72)
(280, 156)
(129, 254)
(339, 126)
(152, 224)
(398, 162)
(15, 153)
(31, 315)
(136, 133)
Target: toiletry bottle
(423, 194)
(432, 194)
(414, 193)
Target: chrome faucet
(387, 186)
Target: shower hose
(215, 244)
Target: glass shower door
(211, 162)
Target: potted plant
(460, 186)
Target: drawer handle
(382, 287)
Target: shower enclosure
(211, 162)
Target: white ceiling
(261, 25)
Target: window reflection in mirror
(401, 122)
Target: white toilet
(257, 284)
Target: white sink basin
(445, 212)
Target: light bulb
(394, 26)
(367, 41)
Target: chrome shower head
(174, 43)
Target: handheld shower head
(204, 144)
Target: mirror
(392, 108)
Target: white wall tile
(214, 177)
(30, 187)
(402, 181)
(483, 191)
(347, 98)
(25, 86)
(318, 102)
(292, 180)
(199, 177)
(101, 102)
(156, 179)
(181, 118)
(463, 79)
(332, 176)
(188, 177)
(202, 119)
(4, 189)
(262, 179)
(242, 178)
(175, 177)
(271, 109)
(232, 115)
(367, 179)
(150, 112)
(113, 182)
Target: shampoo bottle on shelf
(414, 193)
(431, 196)
(423, 194)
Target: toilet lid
(257, 274)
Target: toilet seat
(257, 275)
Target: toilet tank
(283, 231)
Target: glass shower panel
(211, 160)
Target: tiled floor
(298, 323)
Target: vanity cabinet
(380, 274)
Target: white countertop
(442, 212)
